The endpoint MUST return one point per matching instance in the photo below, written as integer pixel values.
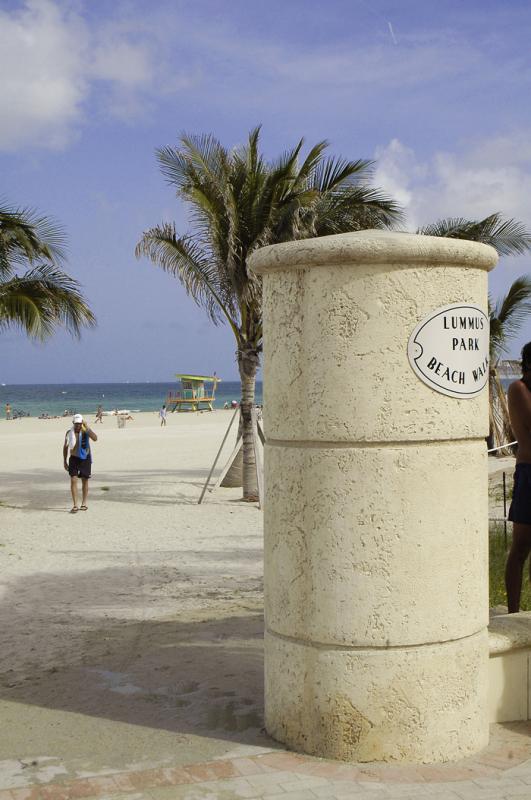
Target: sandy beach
(131, 633)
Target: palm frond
(509, 314)
(185, 260)
(508, 237)
(42, 300)
(26, 238)
(331, 173)
(312, 161)
(239, 202)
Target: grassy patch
(497, 559)
(496, 494)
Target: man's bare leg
(520, 549)
(84, 490)
(73, 489)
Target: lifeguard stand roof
(199, 377)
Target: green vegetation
(506, 318)
(238, 201)
(42, 298)
(497, 559)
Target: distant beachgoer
(225, 404)
(519, 399)
(162, 415)
(79, 465)
(8, 411)
(99, 414)
(234, 404)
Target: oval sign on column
(449, 350)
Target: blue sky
(436, 92)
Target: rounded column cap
(373, 247)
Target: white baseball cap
(77, 418)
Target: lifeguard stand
(194, 395)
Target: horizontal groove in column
(360, 445)
(368, 647)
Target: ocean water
(84, 398)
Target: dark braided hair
(526, 357)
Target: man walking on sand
(77, 441)
(162, 415)
(519, 399)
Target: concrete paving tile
(283, 761)
(22, 793)
(361, 793)
(328, 790)
(503, 783)
(340, 788)
(249, 766)
(306, 782)
(304, 794)
(259, 760)
(446, 794)
(520, 771)
(269, 779)
(231, 789)
(474, 792)
(211, 770)
(407, 790)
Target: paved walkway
(501, 772)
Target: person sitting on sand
(519, 399)
(77, 441)
(99, 415)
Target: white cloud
(51, 60)
(42, 81)
(492, 175)
(123, 62)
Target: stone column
(376, 503)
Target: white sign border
(427, 380)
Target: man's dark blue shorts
(79, 467)
(520, 510)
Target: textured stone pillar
(376, 503)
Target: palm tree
(506, 319)
(508, 237)
(43, 297)
(240, 202)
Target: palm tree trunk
(248, 361)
